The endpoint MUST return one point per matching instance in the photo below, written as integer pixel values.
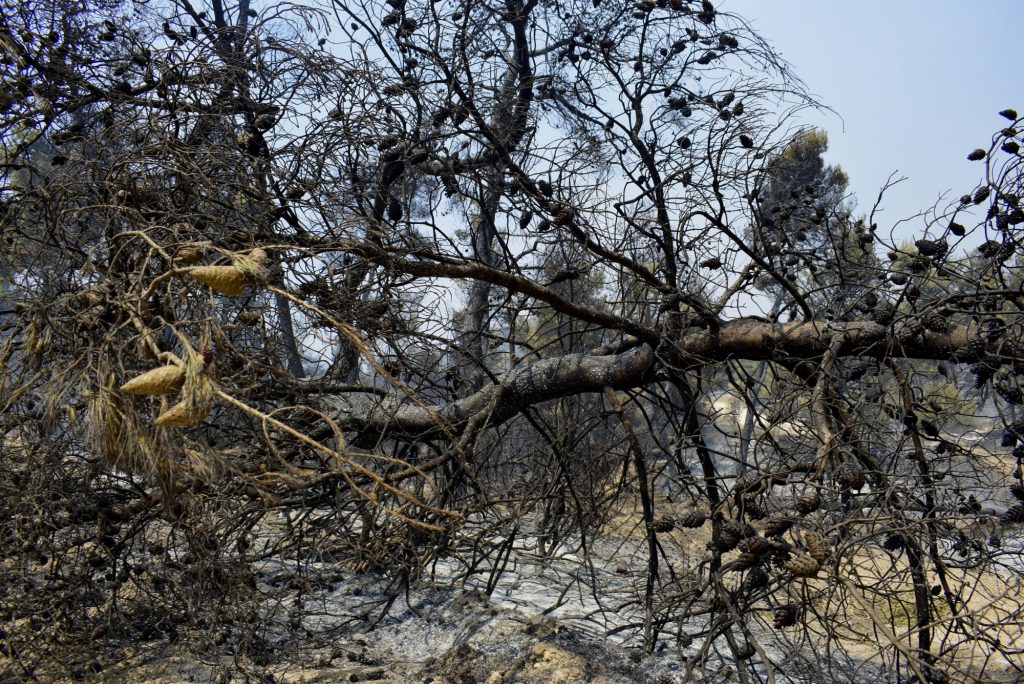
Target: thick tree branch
(576, 374)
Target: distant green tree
(807, 230)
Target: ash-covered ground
(564, 618)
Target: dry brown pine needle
(182, 415)
(163, 380)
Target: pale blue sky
(918, 86)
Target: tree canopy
(453, 280)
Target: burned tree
(405, 282)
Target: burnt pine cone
(1017, 489)
(693, 519)
(786, 616)
(936, 323)
(565, 215)
(757, 578)
(852, 478)
(753, 510)
(662, 525)
(776, 527)
(808, 502)
(744, 561)
(780, 556)
(893, 542)
(756, 545)
(931, 248)
(816, 546)
(712, 262)
(728, 537)
(745, 530)
(1013, 516)
(883, 313)
(802, 565)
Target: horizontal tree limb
(573, 374)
